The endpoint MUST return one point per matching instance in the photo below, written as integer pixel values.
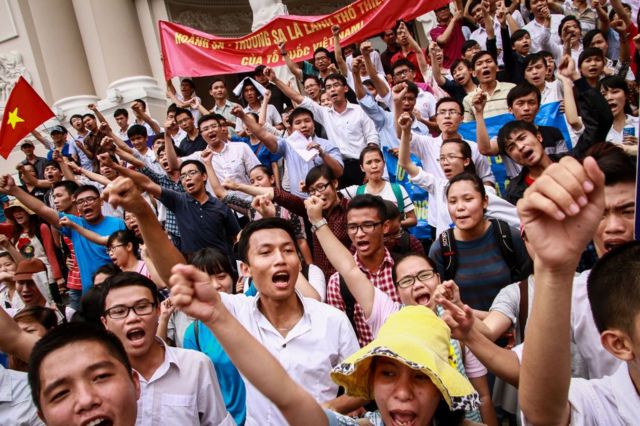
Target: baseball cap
(57, 129)
(27, 143)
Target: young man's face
(139, 142)
(478, 15)
(122, 121)
(551, 68)
(325, 100)
(304, 124)
(218, 90)
(186, 89)
(90, 124)
(29, 293)
(94, 386)
(485, 69)
(89, 206)
(389, 37)
(52, 174)
(536, 73)
(192, 179)
(58, 138)
(77, 124)
(571, 30)
(370, 241)
(137, 332)
(273, 263)
(336, 90)
(108, 172)
(592, 67)
(617, 223)
(538, 7)
(250, 94)
(62, 200)
(321, 61)
(27, 149)
(408, 102)
(185, 122)
(616, 98)
(448, 117)
(522, 45)
(470, 52)
(443, 15)
(525, 148)
(525, 108)
(210, 131)
(403, 73)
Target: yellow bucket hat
(416, 337)
(14, 205)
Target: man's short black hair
(457, 62)
(119, 112)
(520, 91)
(590, 52)
(75, 116)
(533, 58)
(52, 163)
(259, 225)
(183, 111)
(196, 163)
(88, 114)
(566, 19)
(85, 188)
(65, 335)
(617, 165)
(209, 117)
(613, 288)
(172, 108)
(368, 201)
(517, 35)
(128, 279)
(337, 77)
(137, 130)
(217, 80)
(479, 55)
(144, 104)
(299, 111)
(322, 50)
(412, 88)
(402, 62)
(510, 128)
(70, 186)
(259, 70)
(469, 44)
(449, 99)
(312, 77)
(189, 82)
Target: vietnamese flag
(25, 110)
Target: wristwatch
(319, 224)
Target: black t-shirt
(188, 146)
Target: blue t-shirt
(231, 384)
(265, 156)
(3, 200)
(65, 152)
(90, 256)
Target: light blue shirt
(297, 168)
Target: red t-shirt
(453, 49)
(633, 31)
(529, 180)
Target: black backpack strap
(405, 243)
(349, 302)
(523, 312)
(449, 254)
(502, 234)
(195, 330)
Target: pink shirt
(383, 306)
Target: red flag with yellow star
(25, 110)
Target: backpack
(349, 302)
(502, 236)
(396, 191)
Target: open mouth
(87, 212)
(611, 244)
(189, 186)
(403, 418)
(423, 298)
(527, 154)
(459, 79)
(281, 279)
(136, 334)
(333, 97)
(362, 245)
(486, 73)
(99, 421)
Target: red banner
(187, 52)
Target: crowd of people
(259, 262)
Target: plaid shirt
(381, 279)
(74, 282)
(336, 219)
(165, 182)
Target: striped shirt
(496, 103)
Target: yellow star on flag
(14, 118)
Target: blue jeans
(74, 299)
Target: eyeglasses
(318, 188)
(401, 73)
(190, 173)
(366, 227)
(121, 311)
(448, 112)
(113, 248)
(448, 158)
(207, 128)
(87, 200)
(321, 58)
(422, 276)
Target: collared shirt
(320, 340)
(273, 116)
(208, 224)
(149, 159)
(480, 35)
(588, 17)
(350, 129)
(496, 103)
(38, 164)
(184, 390)
(381, 279)
(536, 31)
(85, 162)
(235, 161)
(225, 110)
(297, 168)
(189, 146)
(16, 405)
(170, 224)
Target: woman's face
(404, 396)
(32, 327)
(616, 99)
(21, 217)
(466, 205)
(259, 178)
(421, 292)
(120, 253)
(373, 165)
(222, 281)
(601, 43)
(132, 223)
(451, 160)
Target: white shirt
(16, 405)
(150, 161)
(480, 35)
(497, 208)
(630, 125)
(183, 391)
(318, 342)
(427, 149)
(235, 161)
(536, 31)
(598, 361)
(351, 130)
(181, 134)
(273, 117)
